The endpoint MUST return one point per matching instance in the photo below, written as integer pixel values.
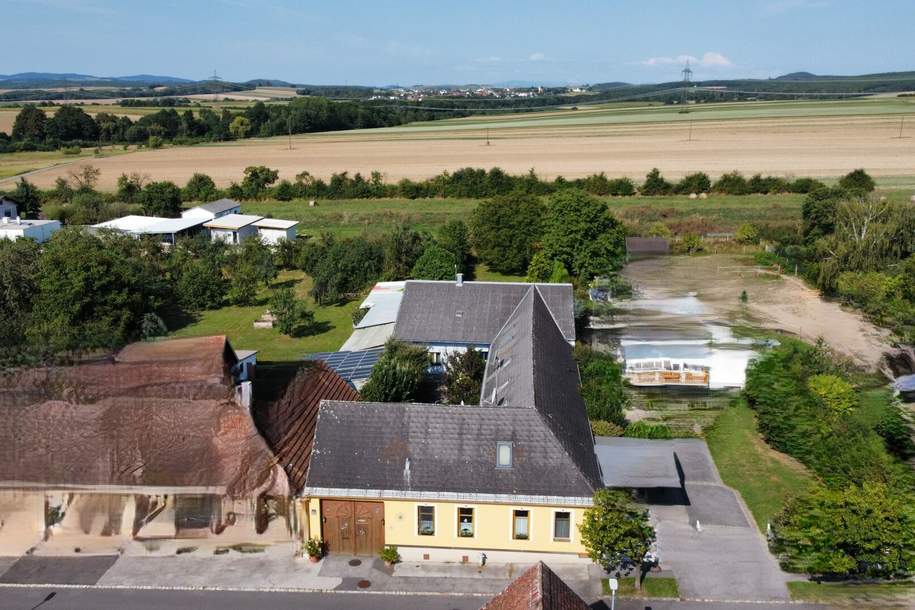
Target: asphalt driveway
(726, 558)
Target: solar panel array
(350, 365)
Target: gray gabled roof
(219, 206)
(410, 449)
(530, 364)
(472, 312)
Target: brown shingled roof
(155, 415)
(289, 423)
(538, 588)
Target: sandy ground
(814, 146)
(779, 303)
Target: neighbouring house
(17, 228)
(156, 442)
(222, 219)
(274, 230)
(538, 588)
(167, 230)
(232, 228)
(353, 366)
(510, 478)
(213, 210)
(8, 208)
(448, 317)
(288, 424)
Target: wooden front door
(354, 528)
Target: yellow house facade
(510, 478)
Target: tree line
(70, 125)
(857, 520)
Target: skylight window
(503, 454)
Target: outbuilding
(233, 228)
(16, 228)
(275, 230)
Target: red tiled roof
(155, 415)
(538, 588)
(289, 423)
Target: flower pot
(314, 558)
(388, 563)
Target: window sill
(562, 540)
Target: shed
(39, 230)
(233, 228)
(275, 230)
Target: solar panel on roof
(350, 365)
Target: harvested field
(815, 139)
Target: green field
(14, 164)
(661, 587)
(334, 324)
(765, 478)
(616, 114)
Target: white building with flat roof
(233, 228)
(17, 228)
(275, 230)
(167, 229)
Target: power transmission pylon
(687, 73)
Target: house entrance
(354, 528)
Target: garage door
(353, 528)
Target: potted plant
(390, 555)
(313, 549)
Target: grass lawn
(13, 164)
(651, 587)
(764, 477)
(893, 595)
(483, 274)
(334, 325)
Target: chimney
(459, 281)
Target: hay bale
(693, 196)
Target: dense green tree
(601, 385)
(454, 236)
(698, 182)
(240, 127)
(819, 212)
(19, 261)
(200, 187)
(540, 269)
(28, 199)
(399, 374)
(857, 182)
(197, 271)
(436, 263)
(72, 123)
(858, 531)
(559, 274)
(731, 183)
(402, 249)
(161, 199)
(341, 268)
(293, 318)
(655, 184)
(617, 533)
(464, 377)
(505, 231)
(256, 180)
(581, 234)
(130, 187)
(94, 291)
(30, 124)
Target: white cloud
(538, 56)
(708, 59)
(493, 59)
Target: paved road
(40, 598)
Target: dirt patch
(782, 303)
(815, 146)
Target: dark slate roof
(531, 365)
(288, 423)
(647, 245)
(473, 312)
(451, 449)
(219, 206)
(538, 588)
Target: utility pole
(901, 123)
(690, 131)
(487, 136)
(687, 73)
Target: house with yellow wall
(509, 478)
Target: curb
(204, 588)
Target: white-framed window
(521, 524)
(562, 525)
(503, 454)
(425, 520)
(466, 522)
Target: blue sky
(380, 42)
